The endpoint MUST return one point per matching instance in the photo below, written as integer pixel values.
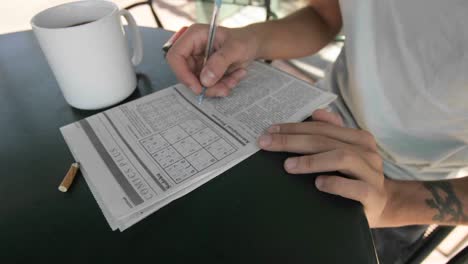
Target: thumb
(218, 63)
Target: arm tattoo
(444, 199)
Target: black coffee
(80, 24)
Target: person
(399, 128)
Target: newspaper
(140, 156)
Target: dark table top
(254, 212)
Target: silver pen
(211, 37)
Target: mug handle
(136, 40)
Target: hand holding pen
(233, 50)
(211, 36)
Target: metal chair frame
(150, 4)
(425, 246)
(266, 3)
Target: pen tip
(201, 96)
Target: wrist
(389, 216)
(403, 206)
(258, 38)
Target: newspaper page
(140, 156)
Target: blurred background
(174, 14)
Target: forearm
(436, 202)
(299, 34)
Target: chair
(460, 258)
(266, 3)
(150, 4)
(427, 244)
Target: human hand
(234, 50)
(329, 146)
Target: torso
(404, 77)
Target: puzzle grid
(186, 149)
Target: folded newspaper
(140, 156)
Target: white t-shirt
(403, 76)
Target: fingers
(183, 72)
(348, 188)
(298, 143)
(180, 56)
(219, 62)
(343, 134)
(184, 59)
(224, 86)
(328, 117)
(191, 43)
(348, 162)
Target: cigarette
(173, 39)
(69, 177)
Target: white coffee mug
(85, 45)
